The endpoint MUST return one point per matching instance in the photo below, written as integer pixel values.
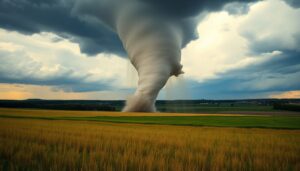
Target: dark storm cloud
(61, 82)
(281, 73)
(184, 8)
(30, 16)
(84, 87)
(258, 45)
(237, 8)
(190, 8)
(294, 3)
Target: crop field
(214, 108)
(217, 120)
(65, 140)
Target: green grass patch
(277, 122)
(286, 122)
(213, 108)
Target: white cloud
(39, 57)
(228, 42)
(272, 25)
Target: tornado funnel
(153, 46)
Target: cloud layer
(79, 20)
(42, 60)
(238, 54)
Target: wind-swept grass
(286, 122)
(278, 122)
(27, 144)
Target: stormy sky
(57, 49)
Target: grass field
(183, 107)
(278, 122)
(214, 108)
(218, 120)
(64, 140)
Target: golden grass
(47, 113)
(82, 145)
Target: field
(213, 108)
(69, 140)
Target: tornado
(152, 41)
(153, 44)
(152, 33)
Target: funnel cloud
(152, 38)
(152, 42)
(150, 32)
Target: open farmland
(218, 120)
(53, 140)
